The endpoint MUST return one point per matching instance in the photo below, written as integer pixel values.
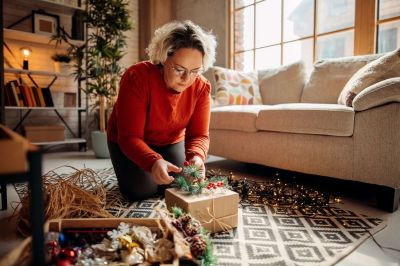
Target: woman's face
(182, 68)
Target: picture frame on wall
(44, 23)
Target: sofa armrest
(380, 93)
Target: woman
(161, 117)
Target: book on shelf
(26, 95)
(6, 93)
(47, 97)
(40, 95)
(22, 95)
(13, 92)
(10, 95)
(21, 102)
(36, 96)
(31, 94)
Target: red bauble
(63, 262)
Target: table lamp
(26, 51)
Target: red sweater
(148, 113)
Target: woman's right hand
(160, 170)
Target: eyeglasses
(183, 72)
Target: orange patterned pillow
(233, 87)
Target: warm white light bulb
(26, 53)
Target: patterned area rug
(276, 236)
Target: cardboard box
(216, 212)
(44, 133)
(59, 224)
(12, 152)
(20, 255)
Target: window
(388, 25)
(268, 33)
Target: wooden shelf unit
(61, 7)
(48, 5)
(30, 37)
(11, 10)
(77, 137)
(67, 141)
(35, 72)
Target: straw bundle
(79, 195)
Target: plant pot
(99, 144)
(62, 67)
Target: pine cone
(177, 224)
(198, 246)
(185, 220)
(191, 230)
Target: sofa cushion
(329, 77)
(235, 117)
(235, 87)
(306, 118)
(383, 92)
(283, 84)
(387, 66)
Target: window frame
(365, 28)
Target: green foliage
(190, 181)
(197, 188)
(98, 59)
(107, 21)
(177, 212)
(182, 184)
(192, 171)
(204, 231)
(75, 52)
(58, 57)
(209, 259)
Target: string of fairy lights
(278, 192)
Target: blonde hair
(176, 35)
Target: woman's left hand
(197, 161)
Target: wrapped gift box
(216, 212)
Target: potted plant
(98, 60)
(75, 52)
(107, 21)
(61, 62)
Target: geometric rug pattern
(272, 236)
(285, 237)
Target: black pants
(134, 182)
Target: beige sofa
(301, 127)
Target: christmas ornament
(200, 245)
(190, 180)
